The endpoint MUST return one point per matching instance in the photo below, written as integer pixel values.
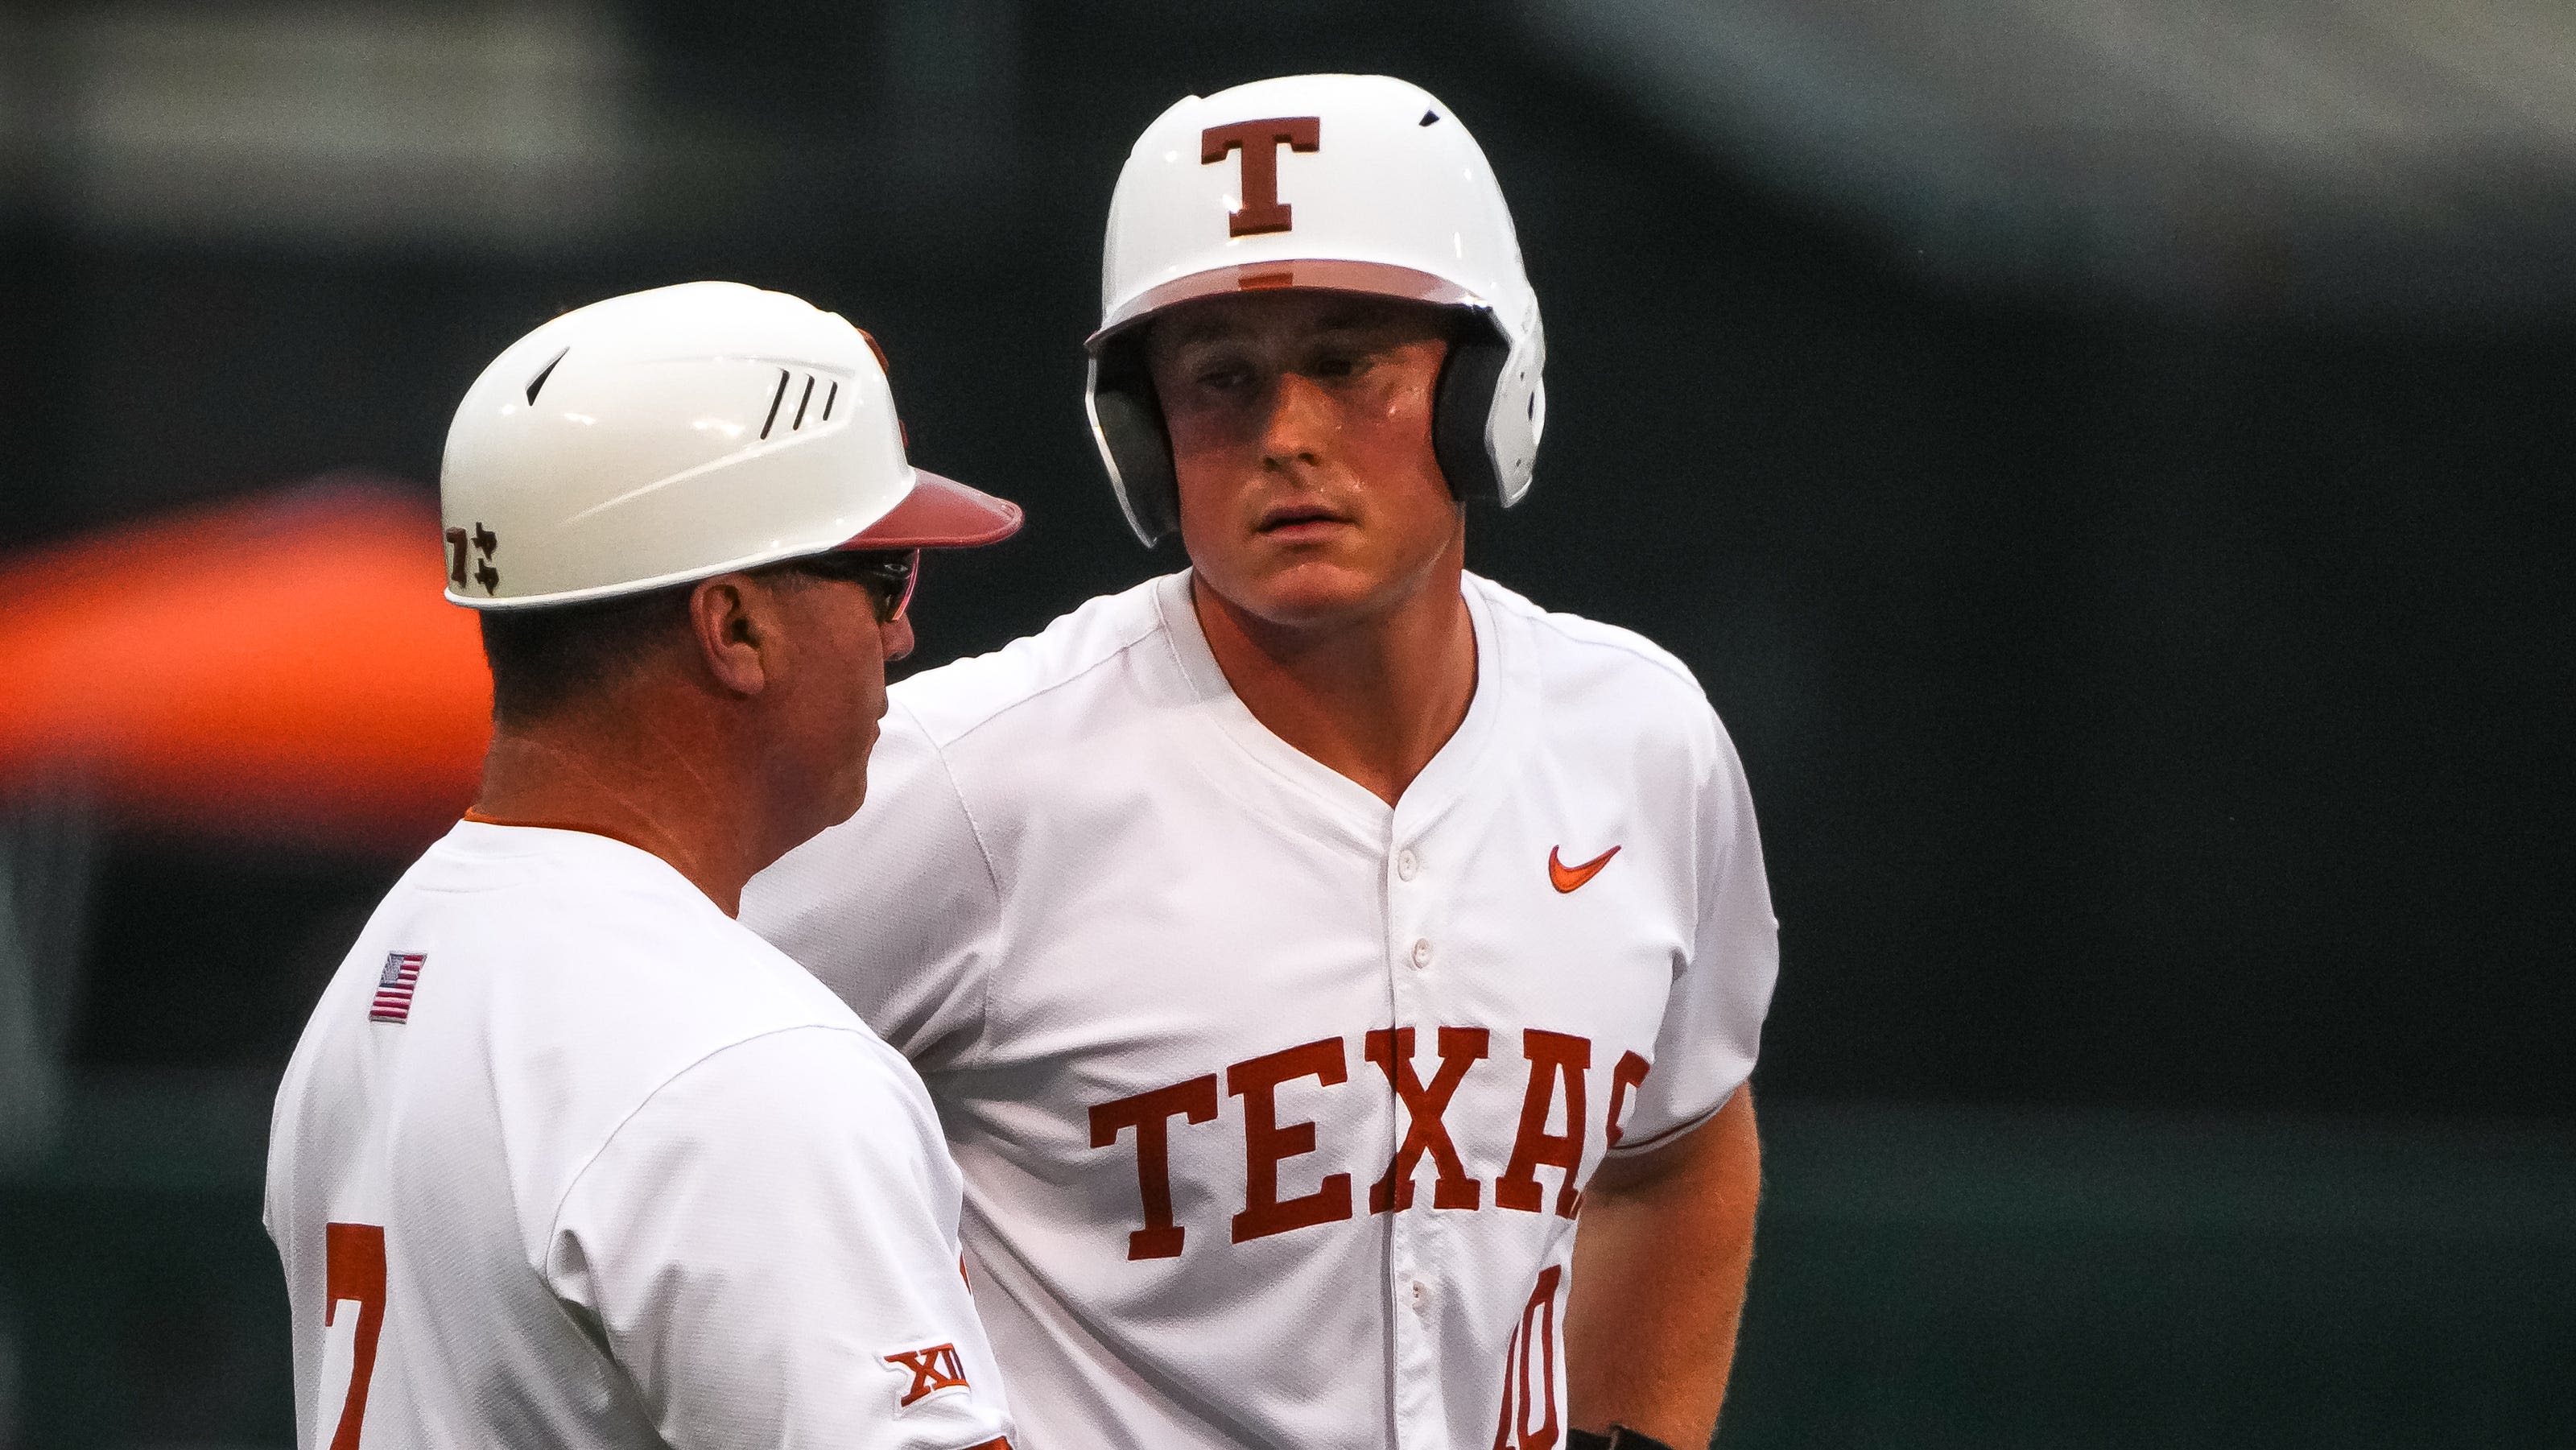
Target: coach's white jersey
(1275, 1103)
(569, 1158)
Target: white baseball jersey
(567, 1157)
(1275, 1103)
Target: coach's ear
(735, 621)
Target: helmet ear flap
(1462, 407)
(1127, 423)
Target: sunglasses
(888, 575)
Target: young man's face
(1301, 437)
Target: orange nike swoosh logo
(1570, 878)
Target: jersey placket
(1447, 801)
(1413, 1287)
(1428, 844)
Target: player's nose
(897, 636)
(1300, 423)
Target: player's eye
(1224, 375)
(1340, 360)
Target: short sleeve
(894, 909)
(1712, 1028)
(768, 1248)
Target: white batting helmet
(679, 433)
(1348, 183)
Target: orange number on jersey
(1529, 1371)
(354, 1271)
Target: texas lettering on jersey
(1558, 1067)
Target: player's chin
(1316, 588)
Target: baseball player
(1302, 946)
(567, 1156)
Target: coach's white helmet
(1348, 183)
(679, 433)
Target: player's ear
(733, 620)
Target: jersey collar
(1501, 685)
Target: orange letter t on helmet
(1259, 141)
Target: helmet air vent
(772, 420)
(804, 402)
(544, 373)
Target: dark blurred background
(2108, 463)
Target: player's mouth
(1290, 522)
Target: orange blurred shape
(276, 669)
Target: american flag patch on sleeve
(393, 989)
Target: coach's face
(1301, 436)
(824, 694)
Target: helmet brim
(941, 513)
(1322, 274)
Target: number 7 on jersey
(353, 1315)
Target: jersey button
(1422, 952)
(1407, 865)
